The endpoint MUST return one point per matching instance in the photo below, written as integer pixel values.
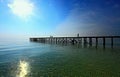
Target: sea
(31, 59)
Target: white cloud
(88, 23)
(79, 21)
(22, 8)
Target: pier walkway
(86, 40)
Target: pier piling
(76, 40)
(96, 42)
(104, 42)
(111, 42)
(90, 42)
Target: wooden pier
(86, 40)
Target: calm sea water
(28, 59)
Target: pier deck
(85, 40)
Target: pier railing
(85, 40)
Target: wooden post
(63, 40)
(85, 41)
(73, 41)
(49, 40)
(80, 41)
(90, 41)
(66, 40)
(111, 42)
(104, 42)
(56, 40)
(96, 42)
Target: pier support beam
(90, 42)
(104, 42)
(56, 40)
(85, 41)
(96, 42)
(73, 41)
(111, 42)
(66, 40)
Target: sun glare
(21, 8)
(23, 69)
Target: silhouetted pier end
(85, 41)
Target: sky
(41, 18)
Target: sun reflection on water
(23, 69)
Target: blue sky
(27, 18)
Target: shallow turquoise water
(46, 60)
